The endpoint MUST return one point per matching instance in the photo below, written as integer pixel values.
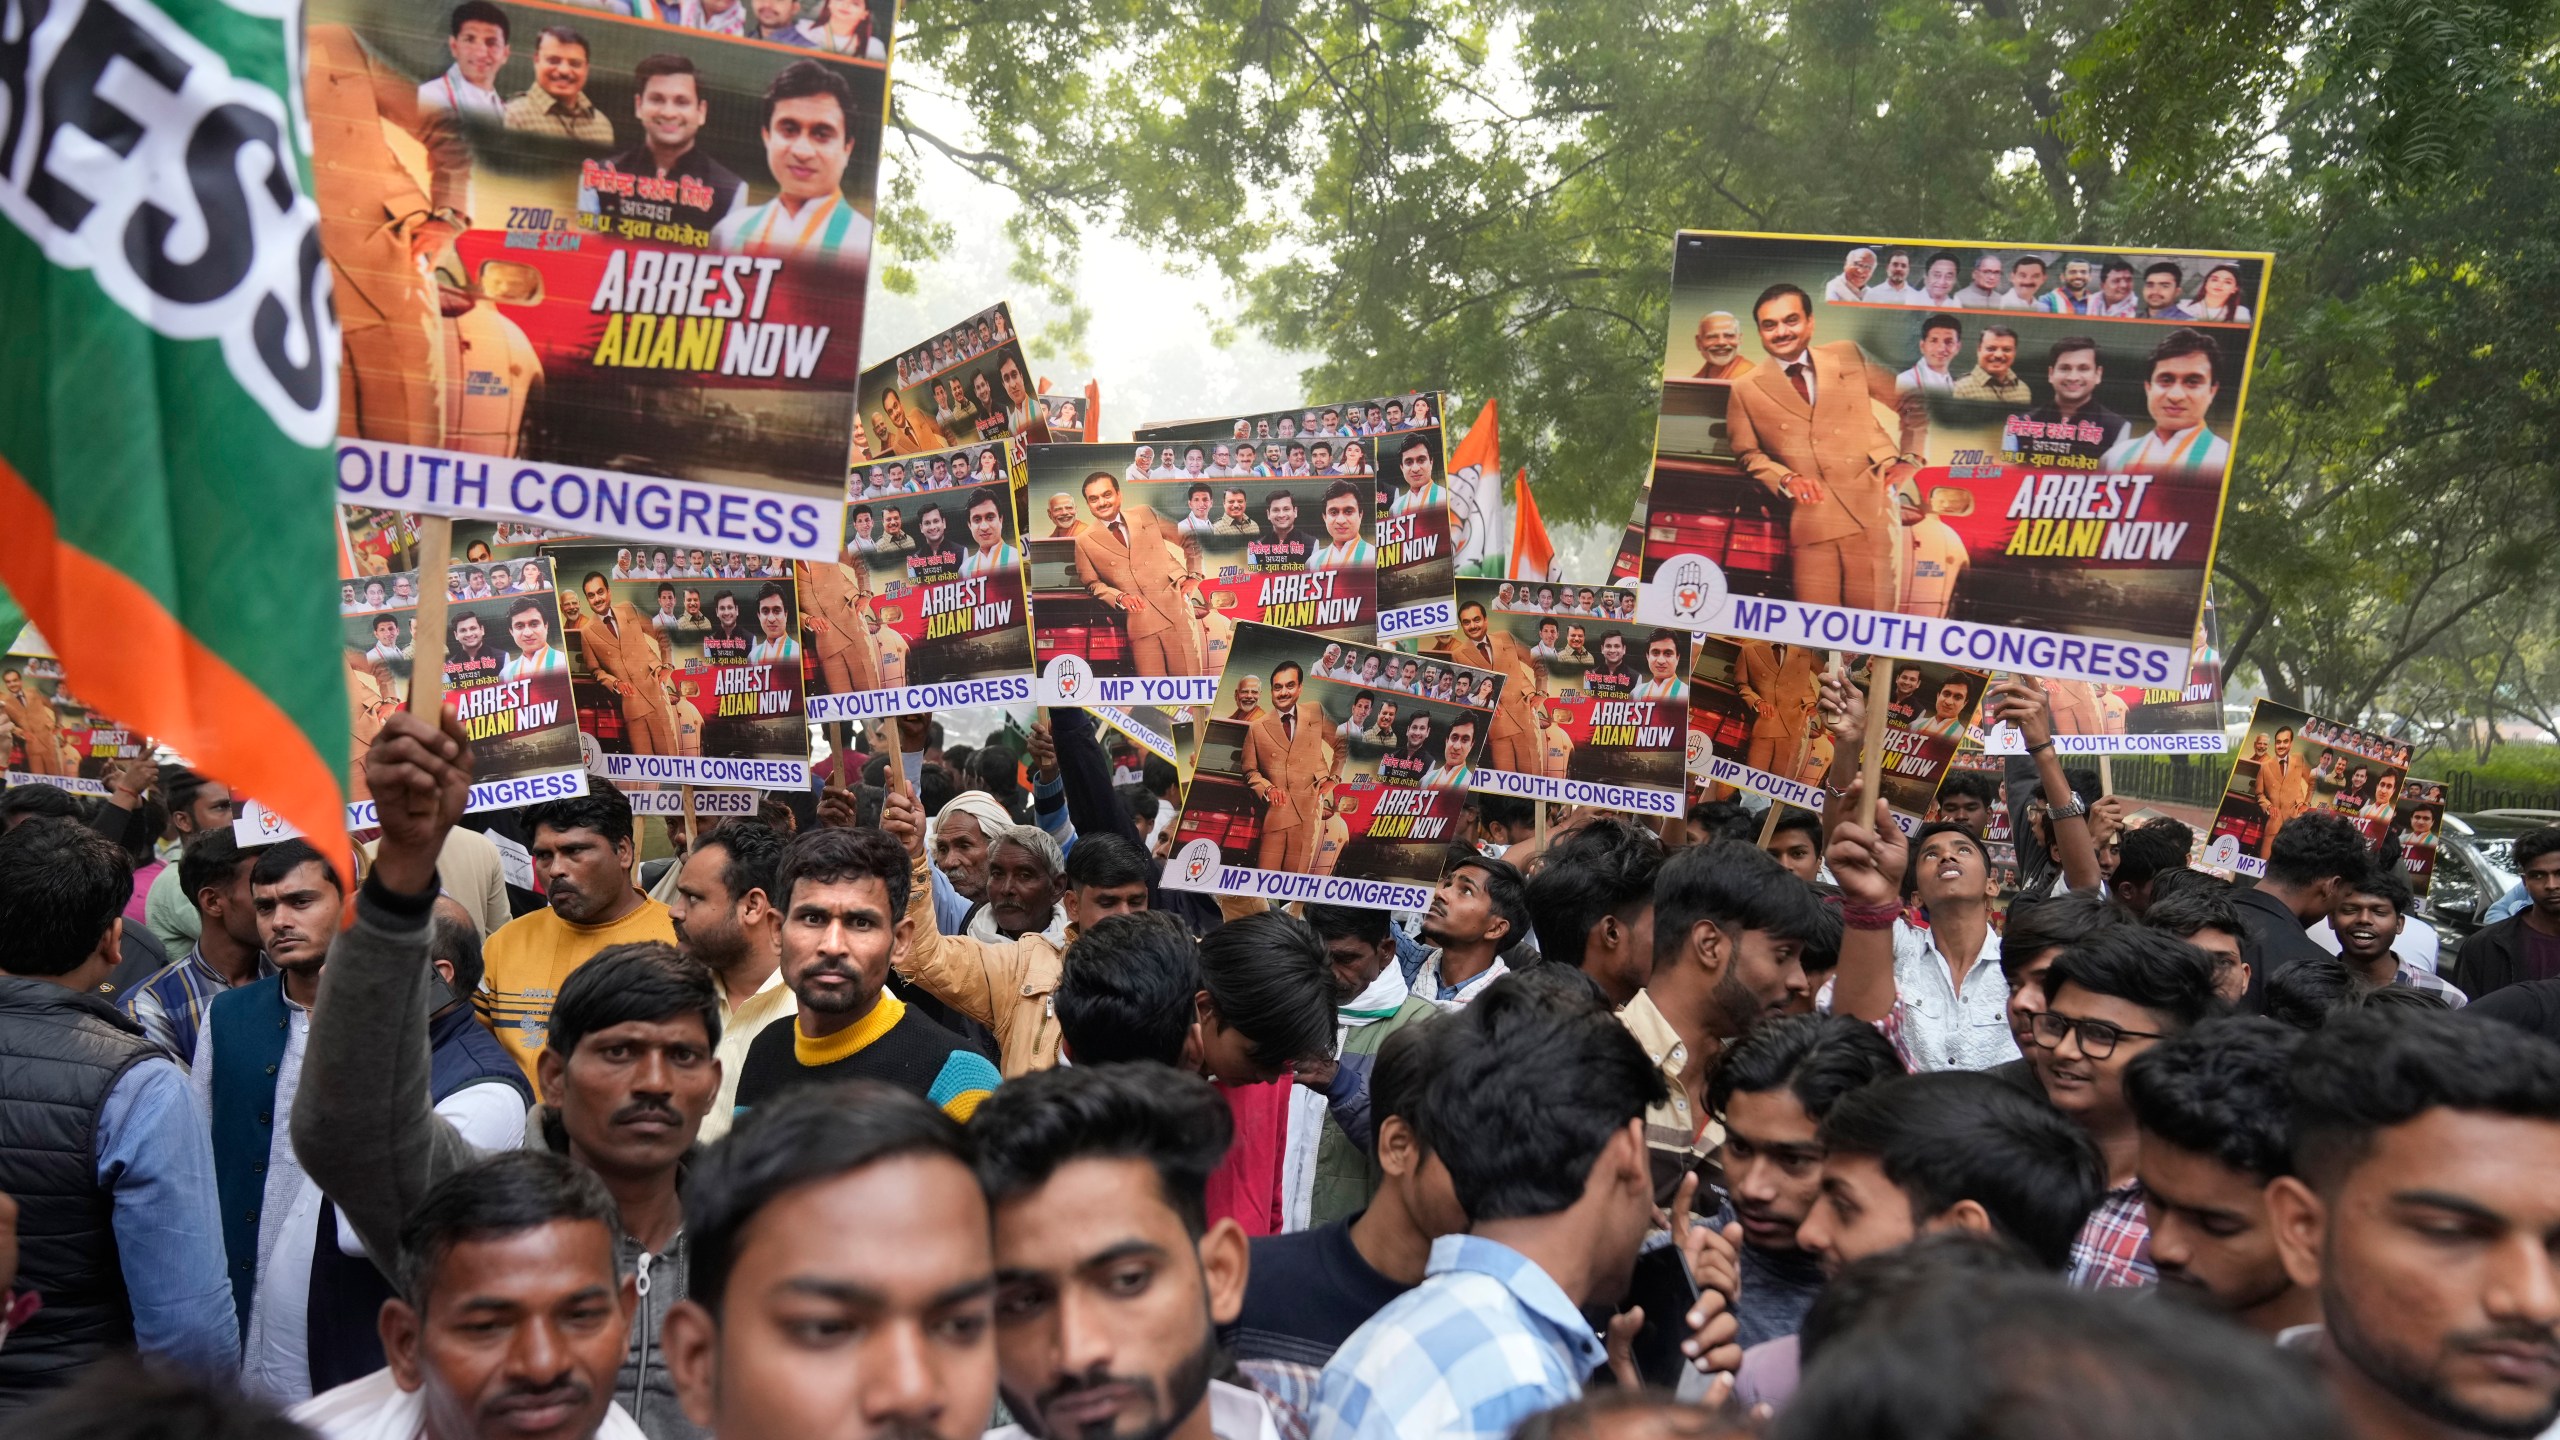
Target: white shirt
(451, 91)
(1426, 983)
(1889, 293)
(1921, 377)
(1943, 1027)
(376, 1408)
(1235, 1413)
(276, 1354)
(1812, 386)
(1839, 290)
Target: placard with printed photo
(51, 737)
(926, 609)
(1595, 707)
(596, 273)
(506, 677)
(2290, 763)
(686, 680)
(1138, 581)
(2021, 473)
(1319, 779)
(1399, 439)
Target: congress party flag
(1533, 552)
(165, 486)
(1475, 496)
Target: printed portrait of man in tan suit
(836, 596)
(1780, 689)
(1805, 426)
(393, 189)
(2284, 788)
(1513, 744)
(32, 715)
(1288, 758)
(1130, 559)
(622, 651)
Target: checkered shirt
(1484, 1342)
(2114, 1245)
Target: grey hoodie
(366, 1131)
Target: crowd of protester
(920, 1106)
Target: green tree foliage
(1481, 196)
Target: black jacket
(60, 1054)
(2492, 959)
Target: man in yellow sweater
(582, 851)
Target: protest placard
(506, 677)
(926, 608)
(686, 679)
(2024, 473)
(605, 275)
(2291, 763)
(1595, 708)
(1318, 779)
(1073, 415)
(968, 383)
(2092, 719)
(52, 738)
(1397, 439)
(2417, 825)
(1139, 580)
(1754, 722)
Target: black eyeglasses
(2097, 1037)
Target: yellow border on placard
(2248, 361)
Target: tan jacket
(1008, 986)
(628, 651)
(1836, 440)
(1295, 769)
(1144, 569)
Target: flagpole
(426, 636)
(1871, 762)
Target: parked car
(2474, 866)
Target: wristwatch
(2071, 809)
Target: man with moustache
(1112, 1282)
(625, 1074)
(1850, 285)
(726, 920)
(845, 923)
(1993, 377)
(1288, 758)
(1805, 429)
(1719, 344)
(621, 650)
(581, 849)
(522, 1245)
(1125, 560)
(2419, 1213)
(558, 104)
